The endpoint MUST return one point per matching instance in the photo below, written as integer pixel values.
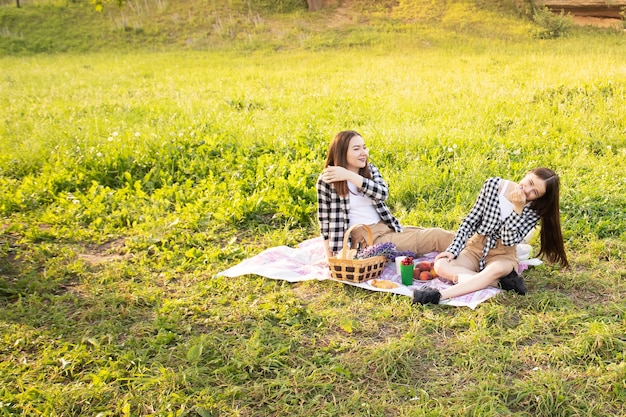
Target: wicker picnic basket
(344, 267)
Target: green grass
(130, 177)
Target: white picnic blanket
(308, 261)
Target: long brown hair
(337, 156)
(547, 206)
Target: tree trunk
(315, 5)
(18, 3)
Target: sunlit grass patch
(128, 181)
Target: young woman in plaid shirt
(350, 191)
(483, 249)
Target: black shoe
(513, 282)
(426, 296)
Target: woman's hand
(518, 198)
(329, 253)
(445, 255)
(334, 174)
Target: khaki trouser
(418, 240)
(501, 253)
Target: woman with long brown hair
(483, 251)
(351, 190)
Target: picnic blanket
(308, 262)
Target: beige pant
(501, 253)
(418, 240)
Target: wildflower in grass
(72, 198)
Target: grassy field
(130, 177)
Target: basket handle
(346, 236)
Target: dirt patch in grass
(344, 13)
(106, 252)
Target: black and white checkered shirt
(333, 210)
(485, 219)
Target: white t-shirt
(506, 207)
(362, 209)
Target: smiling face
(356, 154)
(533, 186)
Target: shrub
(551, 25)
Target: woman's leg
(360, 236)
(500, 261)
(418, 240)
(479, 281)
(463, 264)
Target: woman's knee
(499, 269)
(443, 267)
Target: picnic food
(383, 283)
(424, 265)
(425, 276)
(407, 268)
